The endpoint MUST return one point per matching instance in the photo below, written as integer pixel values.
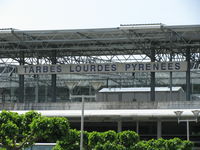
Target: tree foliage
(162, 144)
(109, 146)
(109, 140)
(72, 141)
(109, 136)
(20, 131)
(126, 140)
(95, 138)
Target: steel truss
(127, 43)
(100, 45)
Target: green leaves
(95, 138)
(20, 131)
(109, 136)
(178, 144)
(109, 140)
(50, 128)
(162, 144)
(10, 125)
(70, 142)
(109, 146)
(128, 138)
(10, 131)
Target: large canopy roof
(123, 40)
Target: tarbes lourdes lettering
(103, 68)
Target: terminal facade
(127, 69)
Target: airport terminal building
(142, 77)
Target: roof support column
(21, 80)
(152, 76)
(170, 79)
(53, 78)
(46, 92)
(159, 129)
(188, 86)
(37, 86)
(137, 127)
(36, 89)
(170, 73)
(119, 125)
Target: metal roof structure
(127, 43)
(100, 45)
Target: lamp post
(195, 113)
(71, 85)
(82, 123)
(82, 114)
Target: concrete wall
(139, 96)
(102, 105)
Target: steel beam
(53, 78)
(188, 84)
(152, 76)
(21, 80)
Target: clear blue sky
(73, 14)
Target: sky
(83, 14)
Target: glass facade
(39, 88)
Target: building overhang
(119, 113)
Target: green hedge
(126, 140)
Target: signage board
(103, 68)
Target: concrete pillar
(137, 127)
(159, 129)
(119, 126)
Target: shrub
(161, 144)
(128, 138)
(70, 142)
(109, 146)
(178, 144)
(110, 136)
(94, 139)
